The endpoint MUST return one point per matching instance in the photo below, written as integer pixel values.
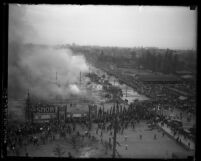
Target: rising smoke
(47, 73)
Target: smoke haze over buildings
(36, 69)
(47, 73)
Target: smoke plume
(46, 72)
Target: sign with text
(44, 109)
(41, 116)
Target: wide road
(162, 147)
(147, 147)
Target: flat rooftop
(156, 78)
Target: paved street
(162, 147)
(84, 149)
(147, 147)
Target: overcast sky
(124, 26)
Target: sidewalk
(184, 141)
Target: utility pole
(89, 117)
(80, 78)
(28, 110)
(115, 132)
(56, 78)
(58, 113)
(89, 70)
(126, 91)
(56, 85)
(65, 113)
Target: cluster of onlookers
(19, 136)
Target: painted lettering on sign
(45, 109)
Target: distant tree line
(157, 60)
(168, 62)
(113, 59)
(165, 63)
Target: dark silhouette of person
(69, 155)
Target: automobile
(167, 121)
(177, 122)
(179, 155)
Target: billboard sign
(44, 116)
(38, 117)
(43, 112)
(44, 109)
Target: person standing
(122, 130)
(110, 140)
(154, 136)
(69, 155)
(126, 147)
(125, 137)
(189, 145)
(27, 154)
(106, 147)
(17, 151)
(97, 131)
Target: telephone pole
(126, 91)
(56, 78)
(115, 132)
(89, 126)
(80, 78)
(89, 70)
(28, 110)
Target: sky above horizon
(122, 26)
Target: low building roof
(183, 72)
(157, 78)
(187, 76)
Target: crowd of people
(167, 100)
(138, 111)
(21, 135)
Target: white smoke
(46, 72)
(34, 68)
(74, 89)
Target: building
(177, 92)
(157, 79)
(44, 111)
